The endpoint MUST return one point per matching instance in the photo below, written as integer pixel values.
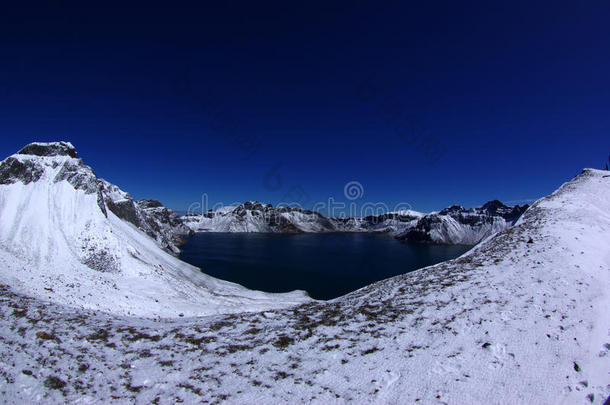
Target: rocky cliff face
(150, 216)
(163, 221)
(458, 225)
(392, 223)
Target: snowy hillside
(61, 240)
(520, 319)
(454, 225)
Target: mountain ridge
(452, 225)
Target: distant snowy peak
(408, 213)
(253, 216)
(49, 149)
(491, 208)
(458, 225)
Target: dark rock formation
(49, 149)
(79, 175)
(13, 170)
(150, 216)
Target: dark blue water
(325, 265)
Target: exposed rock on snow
(49, 149)
(162, 220)
(69, 237)
(14, 170)
(454, 225)
(150, 216)
(522, 318)
(392, 222)
(457, 225)
(28, 166)
(253, 216)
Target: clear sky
(430, 104)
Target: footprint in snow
(446, 367)
(394, 376)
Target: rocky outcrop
(13, 170)
(163, 221)
(49, 149)
(30, 163)
(150, 216)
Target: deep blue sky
(172, 102)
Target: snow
(522, 318)
(224, 222)
(453, 232)
(305, 222)
(57, 244)
(64, 143)
(408, 213)
(114, 192)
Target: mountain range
(454, 225)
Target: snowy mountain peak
(452, 209)
(51, 162)
(49, 149)
(150, 203)
(68, 236)
(493, 205)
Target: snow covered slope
(61, 240)
(521, 319)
